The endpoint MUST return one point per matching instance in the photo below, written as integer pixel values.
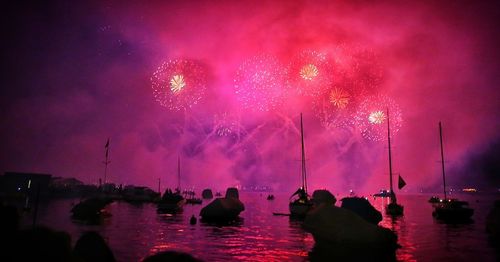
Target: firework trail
(226, 124)
(179, 84)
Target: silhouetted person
(43, 244)
(171, 256)
(363, 208)
(192, 221)
(92, 247)
(9, 229)
(493, 226)
(9, 220)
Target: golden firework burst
(309, 72)
(177, 83)
(376, 117)
(339, 98)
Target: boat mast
(390, 156)
(304, 175)
(442, 158)
(179, 173)
(106, 161)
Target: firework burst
(310, 73)
(259, 83)
(371, 117)
(179, 84)
(339, 98)
(335, 109)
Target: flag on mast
(401, 182)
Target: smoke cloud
(76, 74)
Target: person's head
(43, 244)
(92, 247)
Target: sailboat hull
(298, 209)
(170, 206)
(453, 211)
(394, 209)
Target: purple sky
(74, 74)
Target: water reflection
(136, 231)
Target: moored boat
(382, 193)
(450, 210)
(172, 201)
(453, 210)
(300, 201)
(393, 208)
(224, 209)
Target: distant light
(29, 183)
(18, 189)
(470, 190)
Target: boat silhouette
(300, 201)
(449, 209)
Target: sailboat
(393, 208)
(449, 209)
(300, 201)
(172, 202)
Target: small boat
(191, 199)
(91, 209)
(270, 197)
(218, 194)
(382, 193)
(453, 210)
(434, 199)
(172, 201)
(194, 201)
(138, 194)
(300, 201)
(224, 209)
(450, 209)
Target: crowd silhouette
(39, 243)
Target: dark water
(136, 231)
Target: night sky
(76, 74)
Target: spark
(339, 98)
(309, 72)
(177, 83)
(376, 117)
(370, 115)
